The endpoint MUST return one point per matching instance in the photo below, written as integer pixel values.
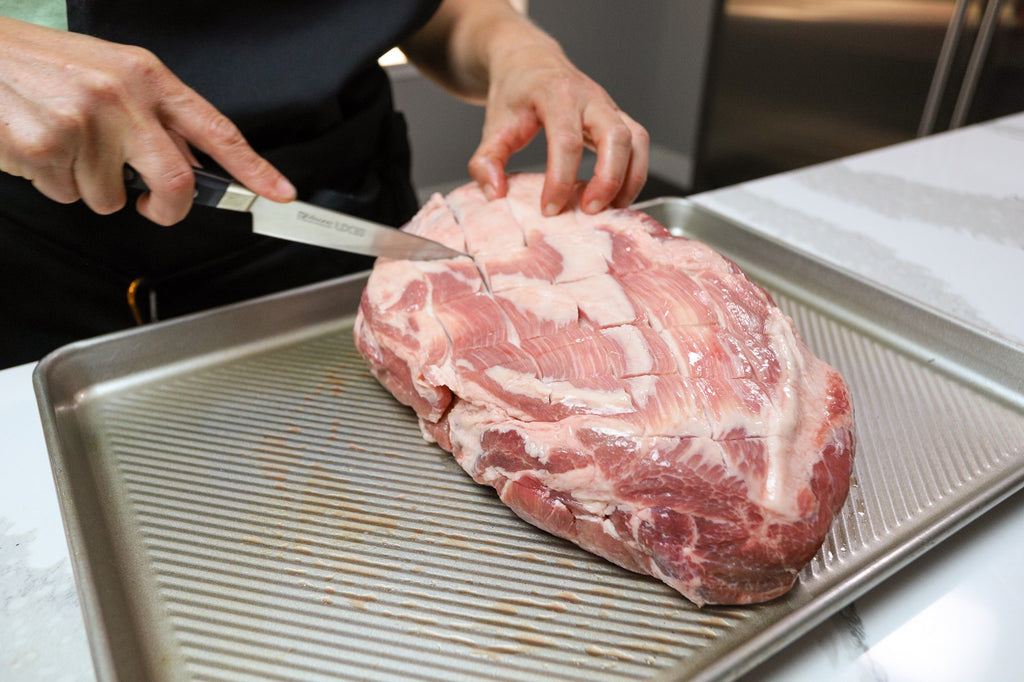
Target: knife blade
(299, 221)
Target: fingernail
(551, 209)
(490, 192)
(593, 207)
(285, 188)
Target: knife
(302, 222)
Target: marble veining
(939, 220)
(998, 219)
(839, 650)
(821, 236)
(41, 623)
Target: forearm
(468, 40)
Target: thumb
(499, 142)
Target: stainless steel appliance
(796, 82)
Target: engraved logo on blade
(339, 225)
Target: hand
(75, 109)
(487, 53)
(538, 87)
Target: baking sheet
(243, 501)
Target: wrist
(510, 40)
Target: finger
(102, 187)
(636, 175)
(613, 141)
(198, 122)
(98, 173)
(500, 140)
(56, 183)
(488, 169)
(171, 185)
(157, 157)
(182, 144)
(565, 151)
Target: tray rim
(927, 313)
(993, 360)
(54, 406)
(53, 409)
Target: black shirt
(301, 80)
(299, 77)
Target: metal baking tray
(243, 501)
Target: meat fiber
(619, 387)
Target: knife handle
(209, 190)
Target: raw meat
(625, 389)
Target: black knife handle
(209, 189)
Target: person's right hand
(75, 109)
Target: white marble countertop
(940, 219)
(41, 624)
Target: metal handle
(977, 62)
(210, 190)
(941, 76)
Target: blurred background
(731, 90)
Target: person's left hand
(538, 87)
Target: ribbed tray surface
(281, 518)
(297, 526)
